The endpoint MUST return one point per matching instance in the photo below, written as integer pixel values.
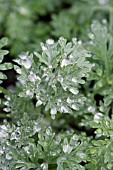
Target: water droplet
(7, 109)
(69, 100)
(97, 117)
(67, 148)
(36, 128)
(91, 109)
(26, 148)
(74, 40)
(65, 62)
(70, 56)
(53, 111)
(44, 48)
(50, 42)
(64, 109)
(74, 79)
(1, 152)
(49, 131)
(8, 156)
(15, 135)
(52, 153)
(93, 65)
(75, 137)
(59, 100)
(60, 78)
(8, 98)
(104, 21)
(27, 63)
(79, 42)
(6, 103)
(29, 93)
(73, 90)
(39, 102)
(44, 166)
(74, 107)
(79, 100)
(50, 66)
(32, 77)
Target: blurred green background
(26, 23)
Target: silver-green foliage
(4, 66)
(58, 80)
(55, 75)
(29, 145)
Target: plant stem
(4, 91)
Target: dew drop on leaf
(64, 109)
(53, 111)
(29, 93)
(91, 109)
(74, 107)
(39, 102)
(49, 131)
(73, 90)
(74, 79)
(50, 42)
(27, 63)
(44, 166)
(8, 156)
(97, 117)
(69, 100)
(67, 148)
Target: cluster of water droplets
(53, 112)
(97, 115)
(7, 104)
